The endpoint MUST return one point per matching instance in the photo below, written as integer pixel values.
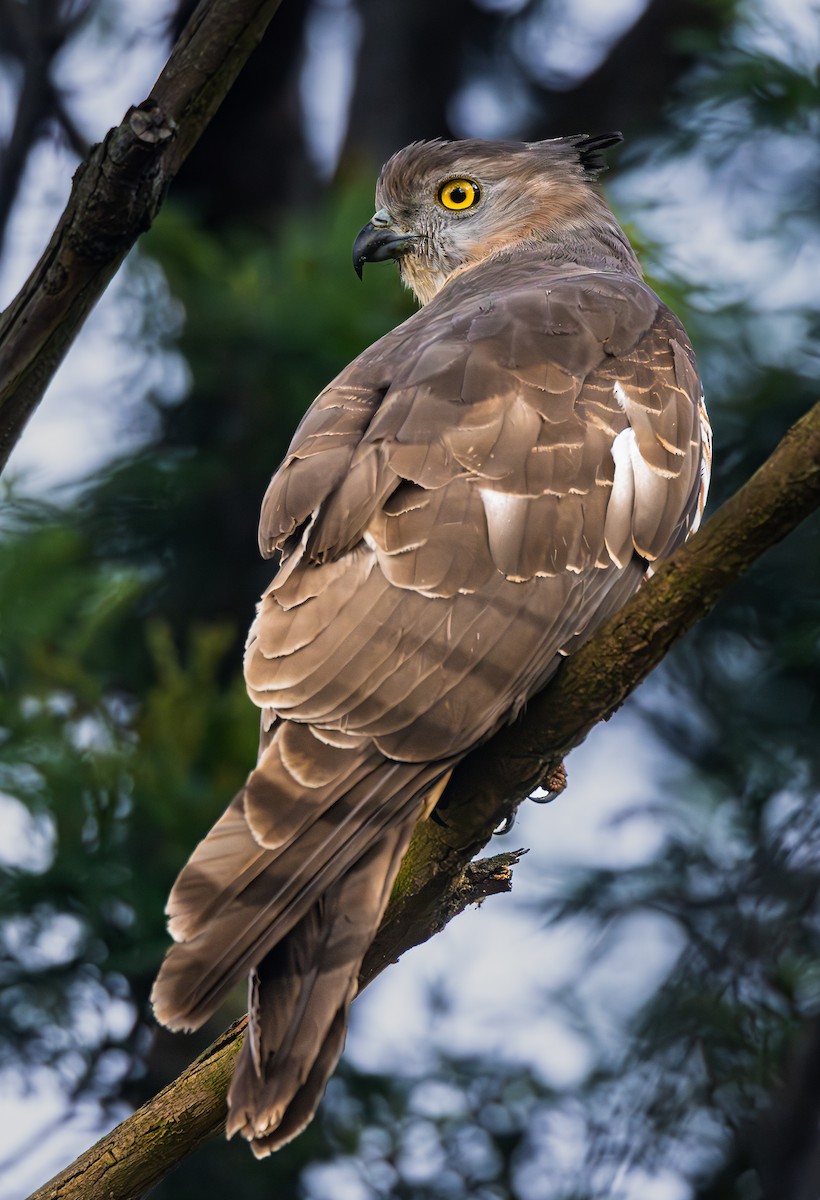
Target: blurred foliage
(124, 727)
(103, 788)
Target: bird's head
(443, 207)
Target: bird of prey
(461, 507)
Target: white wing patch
(501, 508)
(705, 463)
(620, 394)
(618, 527)
(640, 420)
(506, 522)
(637, 512)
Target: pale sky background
(499, 967)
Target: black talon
(505, 826)
(547, 798)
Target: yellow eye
(459, 194)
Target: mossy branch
(135, 1156)
(437, 879)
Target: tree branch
(115, 196)
(147, 1145)
(437, 879)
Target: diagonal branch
(147, 1145)
(437, 879)
(115, 196)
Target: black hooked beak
(377, 244)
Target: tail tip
(168, 1014)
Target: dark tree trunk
(252, 164)
(413, 57)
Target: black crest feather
(591, 147)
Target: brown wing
(473, 495)
(500, 469)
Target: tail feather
(299, 1112)
(299, 1001)
(203, 887)
(275, 806)
(236, 899)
